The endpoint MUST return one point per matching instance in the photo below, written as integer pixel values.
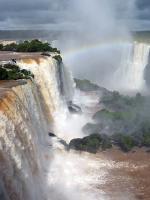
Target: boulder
(73, 108)
(89, 144)
(51, 134)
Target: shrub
(146, 139)
(86, 85)
(29, 46)
(58, 58)
(13, 72)
(125, 142)
(1, 47)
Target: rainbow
(84, 49)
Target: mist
(99, 29)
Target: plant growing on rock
(13, 72)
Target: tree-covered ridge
(29, 46)
(86, 85)
(13, 72)
(124, 120)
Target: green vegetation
(1, 47)
(127, 115)
(100, 142)
(105, 115)
(118, 102)
(146, 139)
(125, 142)
(29, 46)
(85, 85)
(58, 58)
(13, 72)
(92, 143)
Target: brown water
(110, 175)
(129, 178)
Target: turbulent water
(27, 114)
(36, 167)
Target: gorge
(33, 164)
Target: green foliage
(58, 58)
(106, 142)
(1, 47)
(117, 102)
(13, 72)
(30, 46)
(125, 142)
(85, 85)
(146, 139)
(92, 143)
(10, 47)
(113, 116)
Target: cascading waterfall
(55, 85)
(23, 131)
(28, 112)
(130, 74)
(66, 83)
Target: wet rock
(64, 143)
(88, 144)
(73, 108)
(45, 54)
(91, 144)
(56, 141)
(51, 134)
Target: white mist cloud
(93, 50)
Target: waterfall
(28, 111)
(130, 74)
(23, 131)
(53, 80)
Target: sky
(53, 14)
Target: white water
(42, 107)
(72, 176)
(54, 82)
(27, 113)
(130, 74)
(116, 65)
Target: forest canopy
(29, 46)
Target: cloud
(54, 13)
(16, 13)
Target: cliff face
(26, 116)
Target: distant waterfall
(130, 74)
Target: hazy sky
(52, 14)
